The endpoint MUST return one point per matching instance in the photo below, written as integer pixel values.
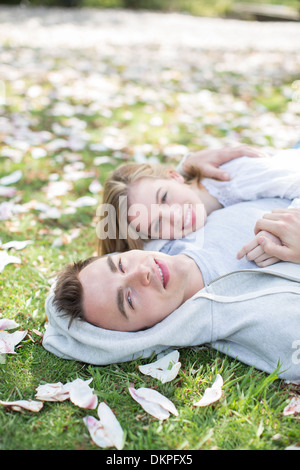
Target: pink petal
(7, 324)
(6, 259)
(211, 394)
(293, 407)
(30, 405)
(164, 369)
(106, 432)
(97, 432)
(153, 402)
(82, 395)
(9, 340)
(111, 425)
(77, 391)
(52, 392)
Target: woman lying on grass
(144, 202)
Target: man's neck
(194, 279)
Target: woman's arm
(209, 160)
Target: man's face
(135, 290)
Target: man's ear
(176, 176)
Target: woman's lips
(189, 219)
(163, 272)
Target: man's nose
(141, 275)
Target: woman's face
(164, 208)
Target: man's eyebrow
(120, 293)
(151, 223)
(111, 264)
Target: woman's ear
(176, 176)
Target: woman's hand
(209, 160)
(284, 224)
(254, 250)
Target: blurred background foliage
(194, 7)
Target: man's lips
(163, 272)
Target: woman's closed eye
(164, 197)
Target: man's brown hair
(68, 292)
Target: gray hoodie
(253, 316)
(250, 313)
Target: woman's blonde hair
(116, 194)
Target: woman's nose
(172, 214)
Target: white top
(256, 178)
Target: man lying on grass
(121, 306)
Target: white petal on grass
(293, 407)
(78, 391)
(107, 431)
(7, 324)
(16, 244)
(111, 425)
(95, 187)
(30, 405)
(8, 341)
(52, 392)
(12, 178)
(82, 395)
(97, 432)
(153, 402)
(212, 394)
(7, 191)
(83, 201)
(164, 369)
(6, 259)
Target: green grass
(200, 102)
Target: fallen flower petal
(52, 392)
(30, 405)
(6, 259)
(293, 407)
(83, 201)
(78, 391)
(164, 369)
(97, 432)
(17, 245)
(12, 178)
(7, 324)
(7, 191)
(153, 402)
(9, 340)
(212, 394)
(107, 432)
(111, 425)
(82, 395)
